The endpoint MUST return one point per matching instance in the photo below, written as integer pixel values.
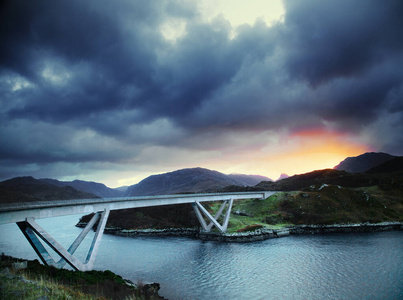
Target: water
(334, 266)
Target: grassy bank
(317, 204)
(37, 280)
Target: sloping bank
(253, 236)
(29, 279)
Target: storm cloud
(88, 83)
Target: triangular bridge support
(33, 232)
(199, 209)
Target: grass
(327, 204)
(257, 213)
(38, 280)
(25, 286)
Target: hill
(330, 176)
(26, 189)
(193, 180)
(248, 180)
(324, 205)
(394, 165)
(95, 188)
(363, 162)
(319, 204)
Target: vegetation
(317, 204)
(38, 280)
(160, 217)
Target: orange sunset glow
(314, 150)
(297, 153)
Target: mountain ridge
(98, 189)
(27, 189)
(331, 176)
(363, 162)
(190, 180)
(196, 180)
(394, 165)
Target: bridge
(24, 215)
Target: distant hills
(248, 180)
(193, 180)
(333, 177)
(98, 189)
(363, 162)
(365, 170)
(374, 195)
(27, 189)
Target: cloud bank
(91, 86)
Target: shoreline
(254, 236)
(347, 228)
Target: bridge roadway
(25, 213)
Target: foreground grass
(33, 288)
(38, 281)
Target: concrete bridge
(24, 214)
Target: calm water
(336, 266)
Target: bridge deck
(17, 212)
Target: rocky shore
(178, 232)
(244, 237)
(346, 228)
(238, 237)
(253, 236)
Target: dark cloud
(97, 81)
(344, 38)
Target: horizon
(116, 92)
(131, 184)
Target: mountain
(391, 166)
(26, 189)
(363, 162)
(122, 189)
(192, 180)
(334, 177)
(95, 188)
(282, 176)
(248, 180)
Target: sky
(115, 91)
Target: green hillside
(316, 204)
(324, 204)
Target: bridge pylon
(199, 209)
(33, 232)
